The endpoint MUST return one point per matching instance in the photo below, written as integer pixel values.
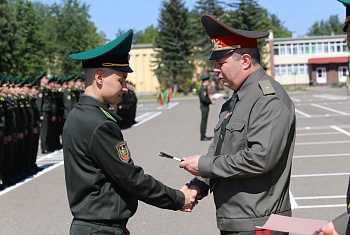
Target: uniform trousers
(79, 227)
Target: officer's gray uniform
(254, 165)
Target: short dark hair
(253, 52)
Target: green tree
(199, 37)
(146, 36)
(173, 60)
(326, 27)
(8, 28)
(29, 43)
(279, 31)
(68, 30)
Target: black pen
(161, 154)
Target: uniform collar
(90, 100)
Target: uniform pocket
(236, 125)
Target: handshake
(192, 195)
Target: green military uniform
(103, 184)
(69, 97)
(205, 101)
(249, 161)
(44, 104)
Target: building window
(289, 49)
(342, 73)
(313, 48)
(276, 51)
(332, 47)
(307, 48)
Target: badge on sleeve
(123, 151)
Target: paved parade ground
(320, 171)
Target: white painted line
(330, 97)
(31, 178)
(319, 175)
(326, 142)
(292, 201)
(341, 130)
(302, 113)
(318, 133)
(319, 197)
(168, 106)
(149, 118)
(295, 100)
(141, 116)
(321, 206)
(329, 109)
(323, 155)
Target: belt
(106, 223)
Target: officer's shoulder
(266, 87)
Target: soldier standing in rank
(44, 104)
(57, 114)
(33, 94)
(69, 96)
(205, 101)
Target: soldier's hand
(190, 198)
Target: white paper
(217, 96)
(293, 225)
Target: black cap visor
(218, 54)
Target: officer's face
(230, 70)
(114, 84)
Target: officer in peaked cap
(248, 175)
(205, 101)
(94, 150)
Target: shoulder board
(69, 90)
(41, 88)
(266, 87)
(2, 98)
(108, 115)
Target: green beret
(113, 55)
(205, 77)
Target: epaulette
(2, 98)
(41, 88)
(69, 90)
(108, 115)
(266, 87)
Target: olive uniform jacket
(204, 96)
(254, 165)
(101, 179)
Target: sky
(111, 15)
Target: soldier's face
(114, 84)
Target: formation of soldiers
(33, 113)
(29, 111)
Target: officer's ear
(246, 61)
(99, 77)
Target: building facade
(318, 60)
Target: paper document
(217, 96)
(293, 225)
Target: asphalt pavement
(320, 171)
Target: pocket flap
(235, 126)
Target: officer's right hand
(190, 198)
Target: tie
(231, 106)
